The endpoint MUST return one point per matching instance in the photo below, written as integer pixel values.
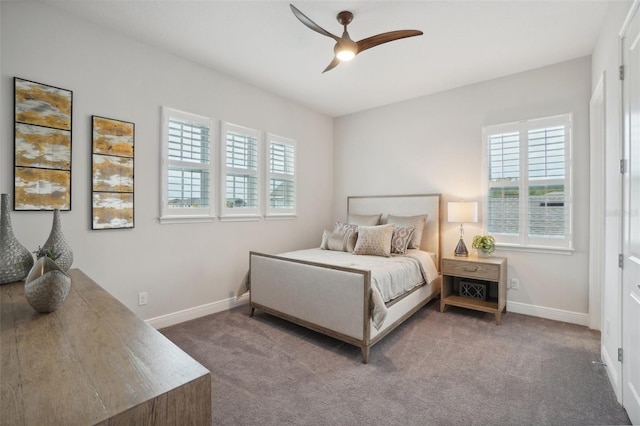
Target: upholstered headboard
(404, 205)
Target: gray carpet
(454, 368)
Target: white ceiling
(263, 44)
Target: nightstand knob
(469, 269)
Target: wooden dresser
(93, 362)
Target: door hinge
(623, 166)
(620, 354)
(621, 72)
(620, 261)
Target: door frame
(598, 125)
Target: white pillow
(364, 219)
(374, 240)
(416, 222)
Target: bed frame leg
(365, 354)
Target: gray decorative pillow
(416, 222)
(400, 239)
(336, 241)
(346, 228)
(374, 240)
(364, 219)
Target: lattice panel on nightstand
(473, 290)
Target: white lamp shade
(462, 212)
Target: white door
(631, 222)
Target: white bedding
(391, 277)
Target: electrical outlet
(143, 298)
(515, 284)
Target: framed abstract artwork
(112, 173)
(42, 146)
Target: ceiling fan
(345, 48)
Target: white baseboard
(548, 313)
(226, 304)
(196, 312)
(614, 378)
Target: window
(528, 185)
(187, 167)
(281, 176)
(241, 172)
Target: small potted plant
(485, 244)
(51, 253)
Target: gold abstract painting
(112, 137)
(42, 189)
(42, 146)
(42, 105)
(112, 210)
(112, 173)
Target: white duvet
(391, 277)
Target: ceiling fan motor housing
(345, 17)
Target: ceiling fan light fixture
(345, 55)
(346, 50)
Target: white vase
(482, 253)
(46, 286)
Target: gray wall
(434, 144)
(180, 266)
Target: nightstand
(478, 283)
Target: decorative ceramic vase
(46, 286)
(15, 259)
(58, 244)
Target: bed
(333, 294)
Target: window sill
(536, 249)
(281, 216)
(167, 220)
(241, 218)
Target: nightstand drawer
(480, 271)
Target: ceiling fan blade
(310, 24)
(376, 40)
(332, 65)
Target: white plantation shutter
(241, 172)
(504, 175)
(504, 156)
(547, 167)
(281, 176)
(528, 182)
(187, 167)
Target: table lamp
(461, 212)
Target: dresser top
(90, 360)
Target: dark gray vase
(57, 243)
(15, 259)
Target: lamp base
(461, 249)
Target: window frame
(283, 212)
(240, 213)
(186, 215)
(523, 240)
